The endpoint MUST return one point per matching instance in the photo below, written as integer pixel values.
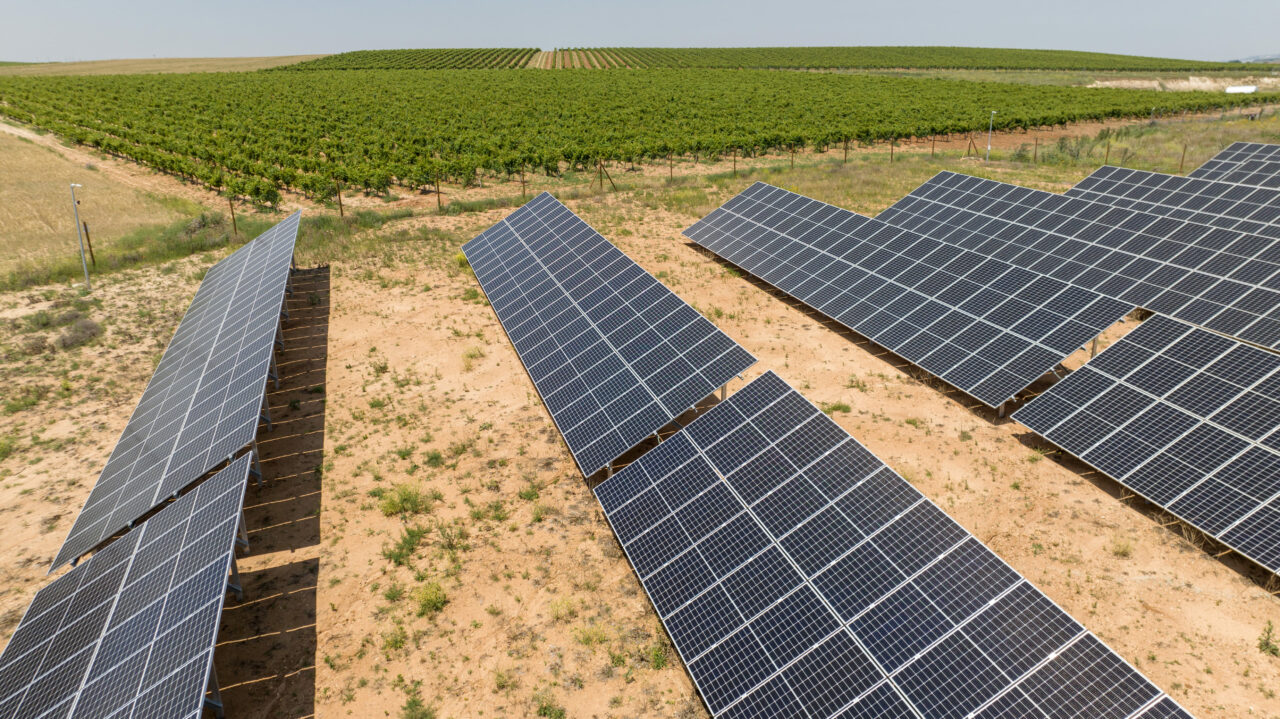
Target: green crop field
(435, 59)
(968, 58)
(254, 134)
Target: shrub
(79, 333)
(430, 598)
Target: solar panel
(797, 575)
(983, 325)
(203, 403)
(1225, 280)
(131, 631)
(614, 354)
(1255, 210)
(1246, 163)
(1186, 418)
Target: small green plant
(856, 382)
(395, 639)
(1267, 641)
(469, 358)
(430, 598)
(562, 610)
(7, 445)
(965, 435)
(656, 655)
(547, 707)
(1121, 548)
(404, 499)
(833, 407)
(401, 553)
(393, 593)
(434, 458)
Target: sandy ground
(157, 65)
(1209, 84)
(398, 380)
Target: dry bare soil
(155, 65)
(423, 538)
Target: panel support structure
(214, 700)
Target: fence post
(1184, 158)
(234, 230)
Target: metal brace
(266, 413)
(280, 334)
(242, 534)
(214, 702)
(255, 468)
(233, 584)
(273, 374)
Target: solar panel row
(1186, 418)
(203, 402)
(983, 325)
(130, 632)
(1245, 163)
(1255, 210)
(614, 354)
(1225, 280)
(799, 576)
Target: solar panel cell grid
(613, 353)
(131, 631)
(1246, 163)
(983, 325)
(847, 593)
(1225, 279)
(202, 404)
(1176, 414)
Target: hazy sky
(82, 30)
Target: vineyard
(436, 59)
(971, 58)
(255, 134)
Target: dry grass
(36, 222)
(155, 66)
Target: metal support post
(280, 334)
(724, 391)
(256, 468)
(266, 413)
(1093, 349)
(214, 701)
(242, 534)
(1000, 410)
(233, 584)
(274, 374)
(288, 281)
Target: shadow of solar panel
(1246, 163)
(985, 326)
(836, 589)
(133, 628)
(202, 404)
(1252, 210)
(614, 354)
(1227, 280)
(1183, 417)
